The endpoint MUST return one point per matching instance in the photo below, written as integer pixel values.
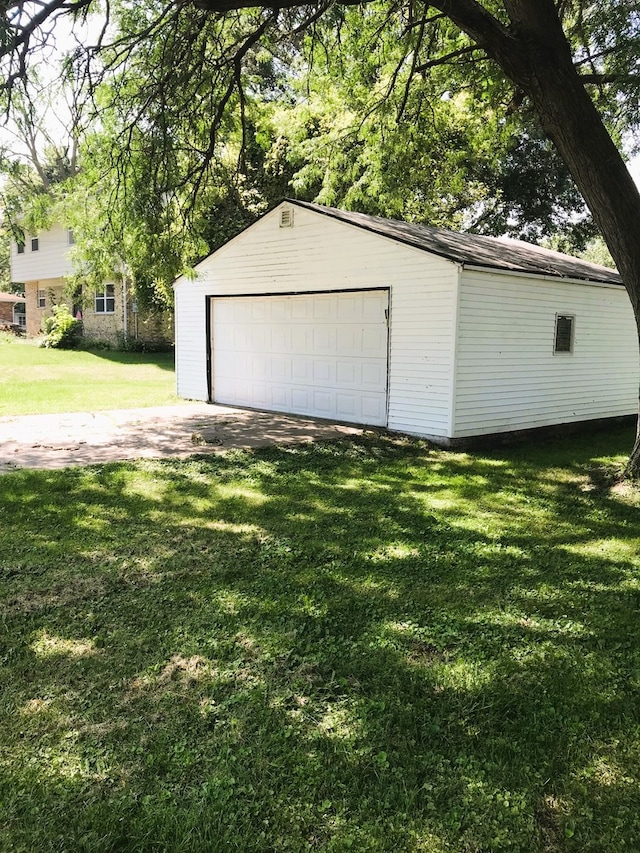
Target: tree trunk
(632, 468)
(534, 52)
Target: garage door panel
(323, 372)
(300, 309)
(346, 407)
(373, 376)
(348, 340)
(301, 338)
(371, 409)
(312, 354)
(281, 397)
(371, 308)
(226, 364)
(279, 339)
(279, 310)
(323, 404)
(280, 369)
(372, 341)
(322, 309)
(302, 370)
(301, 400)
(324, 340)
(346, 373)
(260, 369)
(255, 311)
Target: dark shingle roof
(493, 252)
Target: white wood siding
(321, 254)
(50, 261)
(507, 375)
(191, 341)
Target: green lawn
(367, 645)
(42, 381)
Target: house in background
(12, 312)
(108, 314)
(449, 336)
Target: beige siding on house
(150, 327)
(102, 326)
(51, 261)
(53, 295)
(507, 375)
(321, 254)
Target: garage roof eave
(500, 253)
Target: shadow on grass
(161, 360)
(368, 645)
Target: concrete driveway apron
(81, 438)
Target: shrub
(95, 344)
(61, 330)
(130, 344)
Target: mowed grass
(368, 645)
(43, 381)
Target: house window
(42, 299)
(564, 333)
(20, 247)
(70, 238)
(35, 244)
(106, 300)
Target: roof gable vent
(286, 217)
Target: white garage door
(323, 355)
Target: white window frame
(71, 240)
(105, 297)
(42, 298)
(19, 317)
(20, 248)
(35, 244)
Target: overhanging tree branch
(606, 79)
(443, 60)
(222, 6)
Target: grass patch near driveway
(44, 381)
(367, 645)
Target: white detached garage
(338, 315)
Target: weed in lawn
(369, 646)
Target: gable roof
(11, 297)
(500, 253)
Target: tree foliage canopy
(204, 115)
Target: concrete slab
(81, 438)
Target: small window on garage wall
(565, 325)
(42, 299)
